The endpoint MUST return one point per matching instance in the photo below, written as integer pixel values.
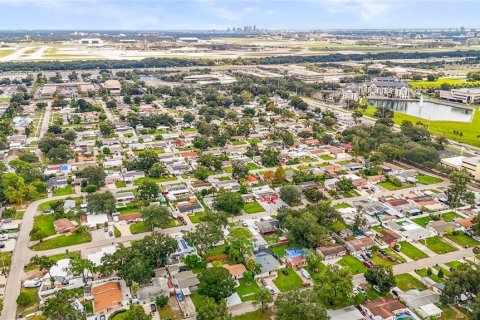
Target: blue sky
(220, 14)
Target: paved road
(423, 263)
(19, 258)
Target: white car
(305, 273)
(270, 289)
(4, 237)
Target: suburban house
(383, 308)
(388, 237)
(64, 226)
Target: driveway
(124, 229)
(99, 235)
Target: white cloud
(365, 9)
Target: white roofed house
(124, 196)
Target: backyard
(437, 245)
(352, 263)
(63, 191)
(44, 223)
(288, 282)
(247, 290)
(391, 187)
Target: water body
(428, 110)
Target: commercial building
(463, 95)
(472, 166)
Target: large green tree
(156, 216)
(230, 202)
(300, 305)
(213, 310)
(57, 307)
(101, 202)
(216, 283)
(334, 285)
(382, 277)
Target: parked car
(110, 234)
(396, 248)
(390, 258)
(153, 307)
(264, 283)
(35, 283)
(105, 229)
(285, 272)
(3, 237)
(360, 289)
(244, 224)
(369, 255)
(270, 289)
(184, 222)
(305, 273)
(2, 245)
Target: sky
(222, 14)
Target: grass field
(390, 186)
(437, 245)
(247, 291)
(406, 281)
(240, 231)
(157, 180)
(255, 315)
(195, 218)
(445, 129)
(411, 251)
(423, 221)
(4, 53)
(462, 239)
(120, 184)
(45, 223)
(280, 249)
(424, 179)
(454, 264)
(436, 84)
(62, 241)
(353, 264)
(288, 282)
(253, 207)
(424, 273)
(138, 227)
(449, 216)
(63, 191)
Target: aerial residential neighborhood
(240, 173)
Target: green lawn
(253, 207)
(45, 223)
(423, 273)
(390, 186)
(342, 205)
(406, 281)
(157, 180)
(353, 264)
(240, 231)
(288, 282)
(129, 208)
(462, 239)
(63, 191)
(421, 84)
(378, 228)
(138, 227)
(198, 299)
(449, 216)
(120, 184)
(32, 306)
(62, 241)
(5, 259)
(423, 221)
(437, 245)
(216, 251)
(46, 205)
(411, 251)
(166, 312)
(445, 271)
(280, 249)
(424, 179)
(448, 314)
(454, 264)
(247, 291)
(195, 218)
(252, 166)
(326, 157)
(444, 128)
(255, 315)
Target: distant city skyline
(220, 15)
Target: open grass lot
(424, 273)
(45, 223)
(255, 315)
(378, 228)
(449, 216)
(216, 251)
(240, 231)
(253, 207)
(390, 186)
(157, 180)
(406, 281)
(423, 221)
(411, 251)
(138, 227)
(437, 245)
(288, 282)
(342, 205)
(4, 53)
(63, 191)
(462, 239)
(436, 84)
(326, 157)
(62, 241)
(247, 291)
(443, 128)
(453, 264)
(5, 259)
(46, 205)
(424, 179)
(120, 184)
(33, 305)
(353, 264)
(449, 314)
(195, 218)
(252, 166)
